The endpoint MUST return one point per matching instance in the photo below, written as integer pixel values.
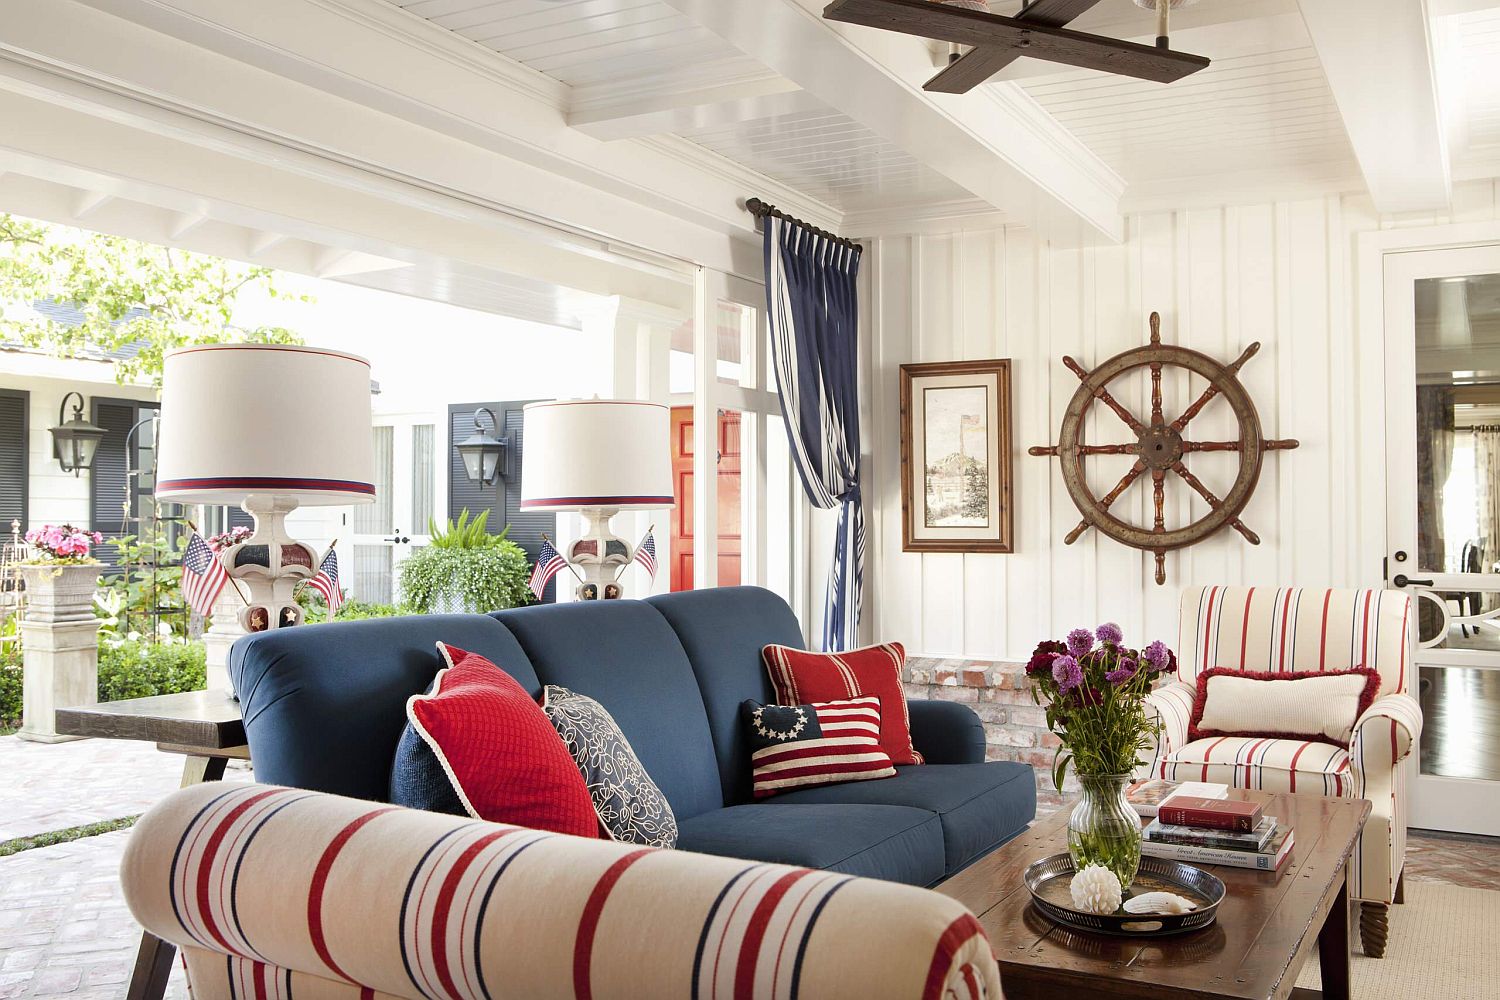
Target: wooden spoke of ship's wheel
(1157, 419)
(1104, 396)
(1284, 444)
(1214, 503)
(1106, 501)
(1213, 390)
(1159, 500)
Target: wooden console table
(206, 729)
(1265, 931)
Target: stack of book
(1215, 831)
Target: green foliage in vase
(465, 568)
(1094, 689)
(127, 293)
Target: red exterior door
(729, 519)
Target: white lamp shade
(238, 419)
(596, 453)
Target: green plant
(315, 611)
(149, 580)
(146, 297)
(465, 533)
(10, 675)
(470, 579)
(135, 669)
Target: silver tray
(1049, 879)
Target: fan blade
(978, 65)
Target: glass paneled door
(408, 488)
(1442, 323)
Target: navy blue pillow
(418, 780)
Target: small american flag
(326, 582)
(549, 562)
(203, 576)
(645, 553)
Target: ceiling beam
(601, 112)
(999, 144)
(1377, 56)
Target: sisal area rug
(1441, 946)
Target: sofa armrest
(1385, 733)
(946, 732)
(416, 904)
(1172, 706)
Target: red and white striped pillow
(826, 743)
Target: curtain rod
(760, 210)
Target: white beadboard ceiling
(1263, 110)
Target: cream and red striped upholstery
(282, 893)
(1258, 629)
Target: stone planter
(60, 637)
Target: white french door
(409, 493)
(1442, 326)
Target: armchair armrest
(946, 732)
(1385, 733)
(1173, 706)
(337, 895)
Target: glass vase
(1103, 828)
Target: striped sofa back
(1281, 630)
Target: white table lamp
(269, 427)
(597, 457)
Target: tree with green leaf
(128, 295)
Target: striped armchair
(1294, 629)
(278, 892)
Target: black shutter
(108, 479)
(235, 517)
(503, 497)
(15, 405)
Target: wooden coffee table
(1265, 931)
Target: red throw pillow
(506, 762)
(800, 677)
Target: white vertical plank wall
(1281, 273)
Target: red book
(1210, 814)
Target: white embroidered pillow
(1311, 705)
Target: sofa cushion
(325, 705)
(625, 656)
(480, 729)
(825, 743)
(887, 842)
(980, 805)
(800, 676)
(723, 629)
(630, 806)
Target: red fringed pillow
(496, 748)
(1311, 705)
(800, 677)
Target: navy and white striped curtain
(813, 318)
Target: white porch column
(224, 628)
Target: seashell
(1096, 889)
(1159, 902)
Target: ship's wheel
(1161, 447)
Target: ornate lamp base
(599, 556)
(269, 565)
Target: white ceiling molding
(1377, 55)
(606, 115)
(338, 77)
(940, 217)
(1006, 150)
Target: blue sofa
(325, 705)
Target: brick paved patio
(64, 927)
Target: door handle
(399, 538)
(1402, 580)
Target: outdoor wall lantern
(483, 453)
(75, 440)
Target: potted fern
(465, 568)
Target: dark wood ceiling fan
(1037, 30)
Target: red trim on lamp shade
(1200, 701)
(292, 348)
(545, 502)
(265, 484)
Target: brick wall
(1015, 728)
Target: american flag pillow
(798, 746)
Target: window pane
(780, 482)
(372, 573)
(375, 518)
(422, 474)
(735, 330)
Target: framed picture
(955, 457)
